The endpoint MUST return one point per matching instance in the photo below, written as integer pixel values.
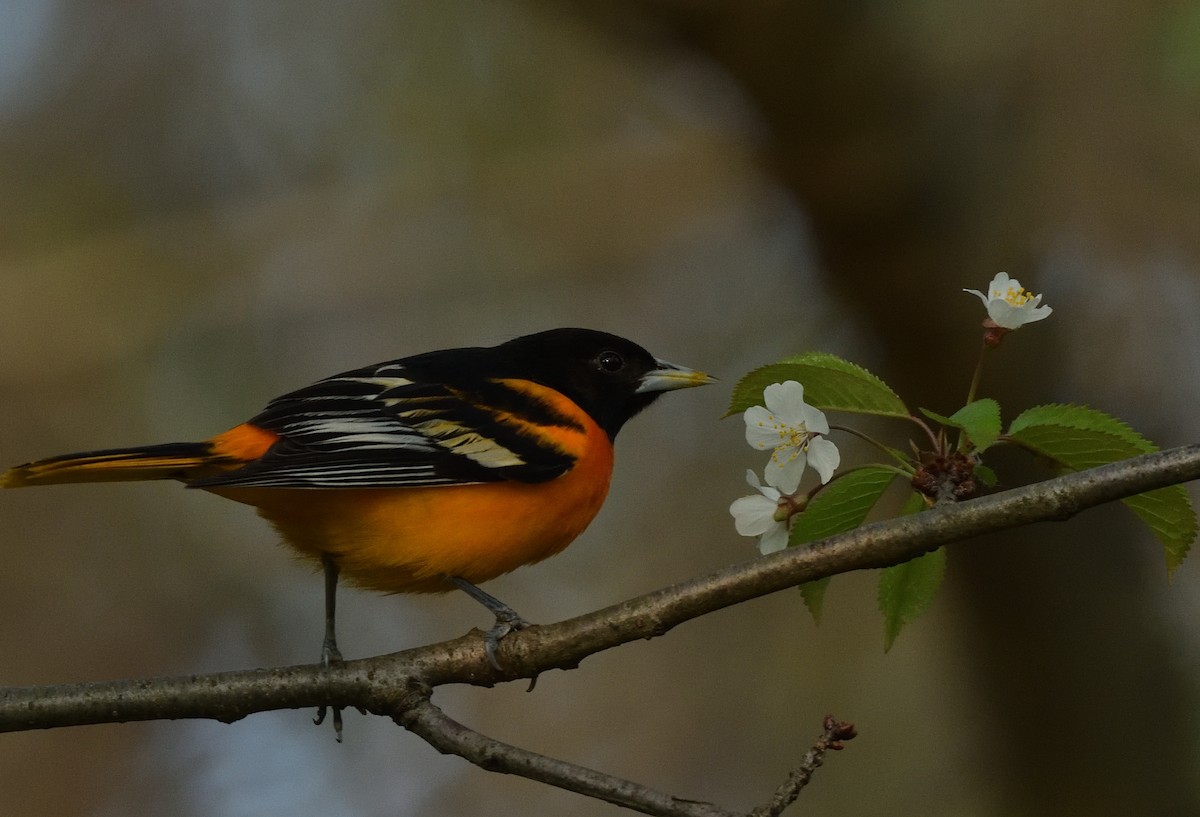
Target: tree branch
(229, 696)
(448, 736)
(397, 684)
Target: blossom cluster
(794, 432)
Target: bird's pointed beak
(670, 376)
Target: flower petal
(982, 297)
(785, 400)
(1007, 315)
(765, 490)
(774, 539)
(814, 420)
(824, 457)
(753, 515)
(785, 469)
(1037, 313)
(760, 428)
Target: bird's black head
(609, 377)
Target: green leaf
(830, 384)
(978, 420)
(813, 594)
(907, 590)
(985, 475)
(840, 506)
(914, 504)
(1083, 418)
(1078, 437)
(1168, 513)
(938, 418)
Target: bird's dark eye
(611, 362)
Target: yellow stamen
(793, 438)
(1016, 296)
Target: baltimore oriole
(422, 474)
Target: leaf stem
(975, 378)
(933, 438)
(891, 452)
(972, 391)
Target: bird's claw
(330, 656)
(507, 621)
(337, 719)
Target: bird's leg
(507, 619)
(330, 654)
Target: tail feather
(169, 461)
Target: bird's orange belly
(407, 539)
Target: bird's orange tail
(170, 461)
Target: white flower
(755, 516)
(1009, 304)
(791, 428)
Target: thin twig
(834, 734)
(448, 736)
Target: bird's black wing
(387, 426)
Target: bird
(423, 474)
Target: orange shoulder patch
(244, 442)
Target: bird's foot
(508, 621)
(330, 656)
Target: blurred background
(206, 204)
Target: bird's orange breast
(406, 539)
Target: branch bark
(398, 685)
(448, 736)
